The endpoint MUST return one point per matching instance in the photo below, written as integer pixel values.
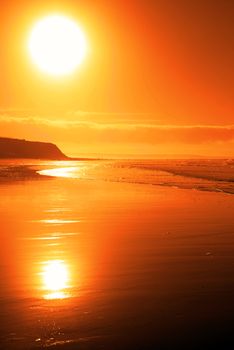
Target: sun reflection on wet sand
(69, 169)
(55, 279)
(69, 172)
(56, 295)
(57, 221)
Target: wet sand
(149, 267)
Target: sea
(198, 174)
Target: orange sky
(158, 78)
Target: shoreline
(33, 170)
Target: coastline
(192, 175)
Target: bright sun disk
(57, 45)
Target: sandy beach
(149, 267)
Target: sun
(57, 45)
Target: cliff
(15, 148)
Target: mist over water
(95, 257)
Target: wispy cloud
(82, 131)
(115, 117)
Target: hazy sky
(158, 78)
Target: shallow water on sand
(216, 175)
(113, 265)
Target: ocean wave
(202, 175)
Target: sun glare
(57, 45)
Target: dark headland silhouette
(16, 148)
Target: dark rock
(16, 148)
